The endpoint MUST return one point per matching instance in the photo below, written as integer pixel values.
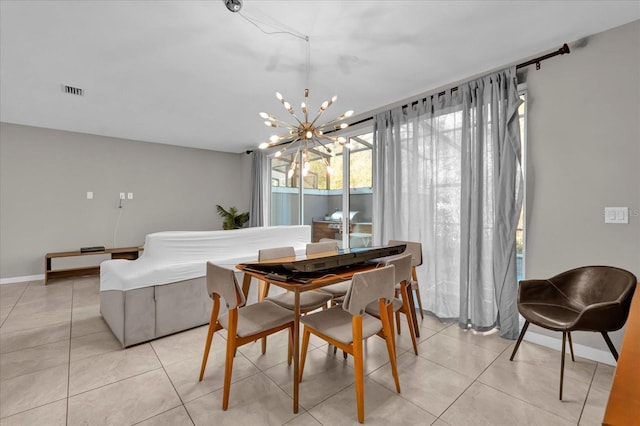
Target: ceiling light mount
(233, 5)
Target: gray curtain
(258, 214)
(448, 176)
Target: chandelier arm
(285, 125)
(319, 153)
(293, 114)
(335, 120)
(320, 112)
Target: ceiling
(192, 73)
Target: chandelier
(310, 135)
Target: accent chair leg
(571, 346)
(524, 330)
(564, 342)
(610, 344)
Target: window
(323, 193)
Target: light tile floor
(60, 365)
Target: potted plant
(232, 219)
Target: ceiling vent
(72, 90)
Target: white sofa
(164, 290)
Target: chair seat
(336, 323)
(309, 300)
(374, 308)
(258, 317)
(553, 317)
(338, 289)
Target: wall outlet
(89, 195)
(129, 195)
(122, 195)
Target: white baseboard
(21, 279)
(583, 351)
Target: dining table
(330, 277)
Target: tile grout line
(538, 407)
(588, 391)
(174, 389)
(475, 380)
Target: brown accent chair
(590, 298)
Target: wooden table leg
(296, 349)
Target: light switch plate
(616, 215)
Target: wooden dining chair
(244, 324)
(416, 251)
(327, 248)
(346, 326)
(402, 265)
(309, 300)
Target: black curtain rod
(564, 49)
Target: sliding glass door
(320, 195)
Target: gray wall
(45, 174)
(583, 155)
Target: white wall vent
(72, 90)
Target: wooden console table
(128, 253)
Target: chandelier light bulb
(306, 133)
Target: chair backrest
(276, 253)
(338, 242)
(222, 281)
(369, 286)
(412, 247)
(588, 285)
(402, 262)
(591, 285)
(322, 247)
